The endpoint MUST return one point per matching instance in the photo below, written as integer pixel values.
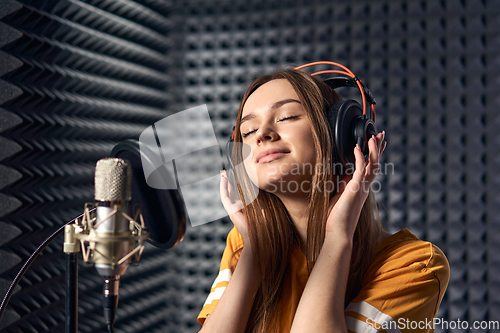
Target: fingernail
(374, 138)
(357, 146)
(383, 135)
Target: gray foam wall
(77, 77)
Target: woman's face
(276, 128)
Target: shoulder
(407, 265)
(234, 240)
(406, 281)
(405, 251)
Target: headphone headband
(347, 72)
(338, 82)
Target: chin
(284, 183)
(274, 175)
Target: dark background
(77, 77)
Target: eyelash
(244, 135)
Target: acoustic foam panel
(77, 77)
(432, 65)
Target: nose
(265, 133)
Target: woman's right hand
(232, 204)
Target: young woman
(309, 253)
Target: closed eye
(286, 118)
(247, 133)
(244, 135)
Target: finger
(380, 141)
(223, 186)
(373, 158)
(377, 144)
(231, 206)
(360, 165)
(226, 195)
(230, 189)
(370, 167)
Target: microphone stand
(78, 232)
(71, 248)
(83, 232)
(28, 263)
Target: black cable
(110, 299)
(28, 263)
(111, 328)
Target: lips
(270, 154)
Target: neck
(297, 207)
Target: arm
(233, 309)
(321, 307)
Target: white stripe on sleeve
(375, 315)
(358, 326)
(224, 275)
(215, 295)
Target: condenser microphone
(164, 211)
(113, 188)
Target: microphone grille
(113, 180)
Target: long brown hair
(270, 229)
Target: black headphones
(350, 123)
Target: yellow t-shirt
(401, 292)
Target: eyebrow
(274, 106)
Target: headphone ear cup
(331, 116)
(343, 118)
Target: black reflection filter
(163, 210)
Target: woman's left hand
(353, 190)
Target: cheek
(251, 170)
(261, 174)
(303, 143)
(249, 164)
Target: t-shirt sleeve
(403, 293)
(233, 243)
